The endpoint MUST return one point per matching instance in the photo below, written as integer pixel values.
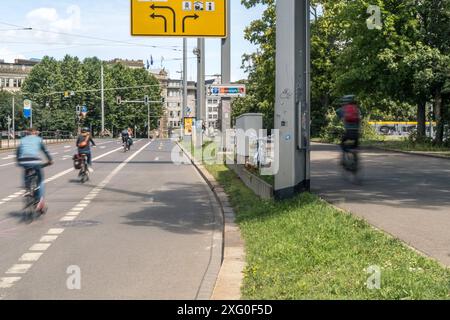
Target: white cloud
(49, 19)
(9, 55)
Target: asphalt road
(142, 228)
(407, 196)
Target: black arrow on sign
(195, 17)
(173, 11)
(154, 16)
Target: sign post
(28, 111)
(175, 18)
(227, 91)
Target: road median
(304, 248)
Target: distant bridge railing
(9, 140)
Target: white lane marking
(67, 147)
(7, 164)
(55, 231)
(85, 201)
(11, 156)
(30, 257)
(72, 215)
(67, 150)
(8, 282)
(67, 218)
(48, 238)
(19, 269)
(54, 153)
(40, 246)
(157, 159)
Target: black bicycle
(350, 162)
(127, 145)
(31, 197)
(83, 174)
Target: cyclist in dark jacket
(84, 142)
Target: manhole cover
(79, 223)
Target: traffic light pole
(103, 99)
(292, 101)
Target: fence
(9, 141)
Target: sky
(109, 20)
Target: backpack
(351, 113)
(77, 161)
(84, 143)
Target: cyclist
(84, 142)
(350, 114)
(127, 135)
(28, 157)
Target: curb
(230, 277)
(423, 154)
(386, 233)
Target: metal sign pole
(225, 105)
(13, 118)
(185, 92)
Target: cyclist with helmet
(84, 142)
(350, 114)
(29, 157)
(127, 135)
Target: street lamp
(18, 29)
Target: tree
(57, 87)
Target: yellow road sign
(178, 18)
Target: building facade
(133, 64)
(12, 75)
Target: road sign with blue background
(27, 111)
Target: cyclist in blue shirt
(29, 157)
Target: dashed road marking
(40, 246)
(52, 234)
(30, 256)
(67, 218)
(8, 282)
(55, 231)
(19, 269)
(48, 238)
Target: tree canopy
(395, 69)
(53, 109)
